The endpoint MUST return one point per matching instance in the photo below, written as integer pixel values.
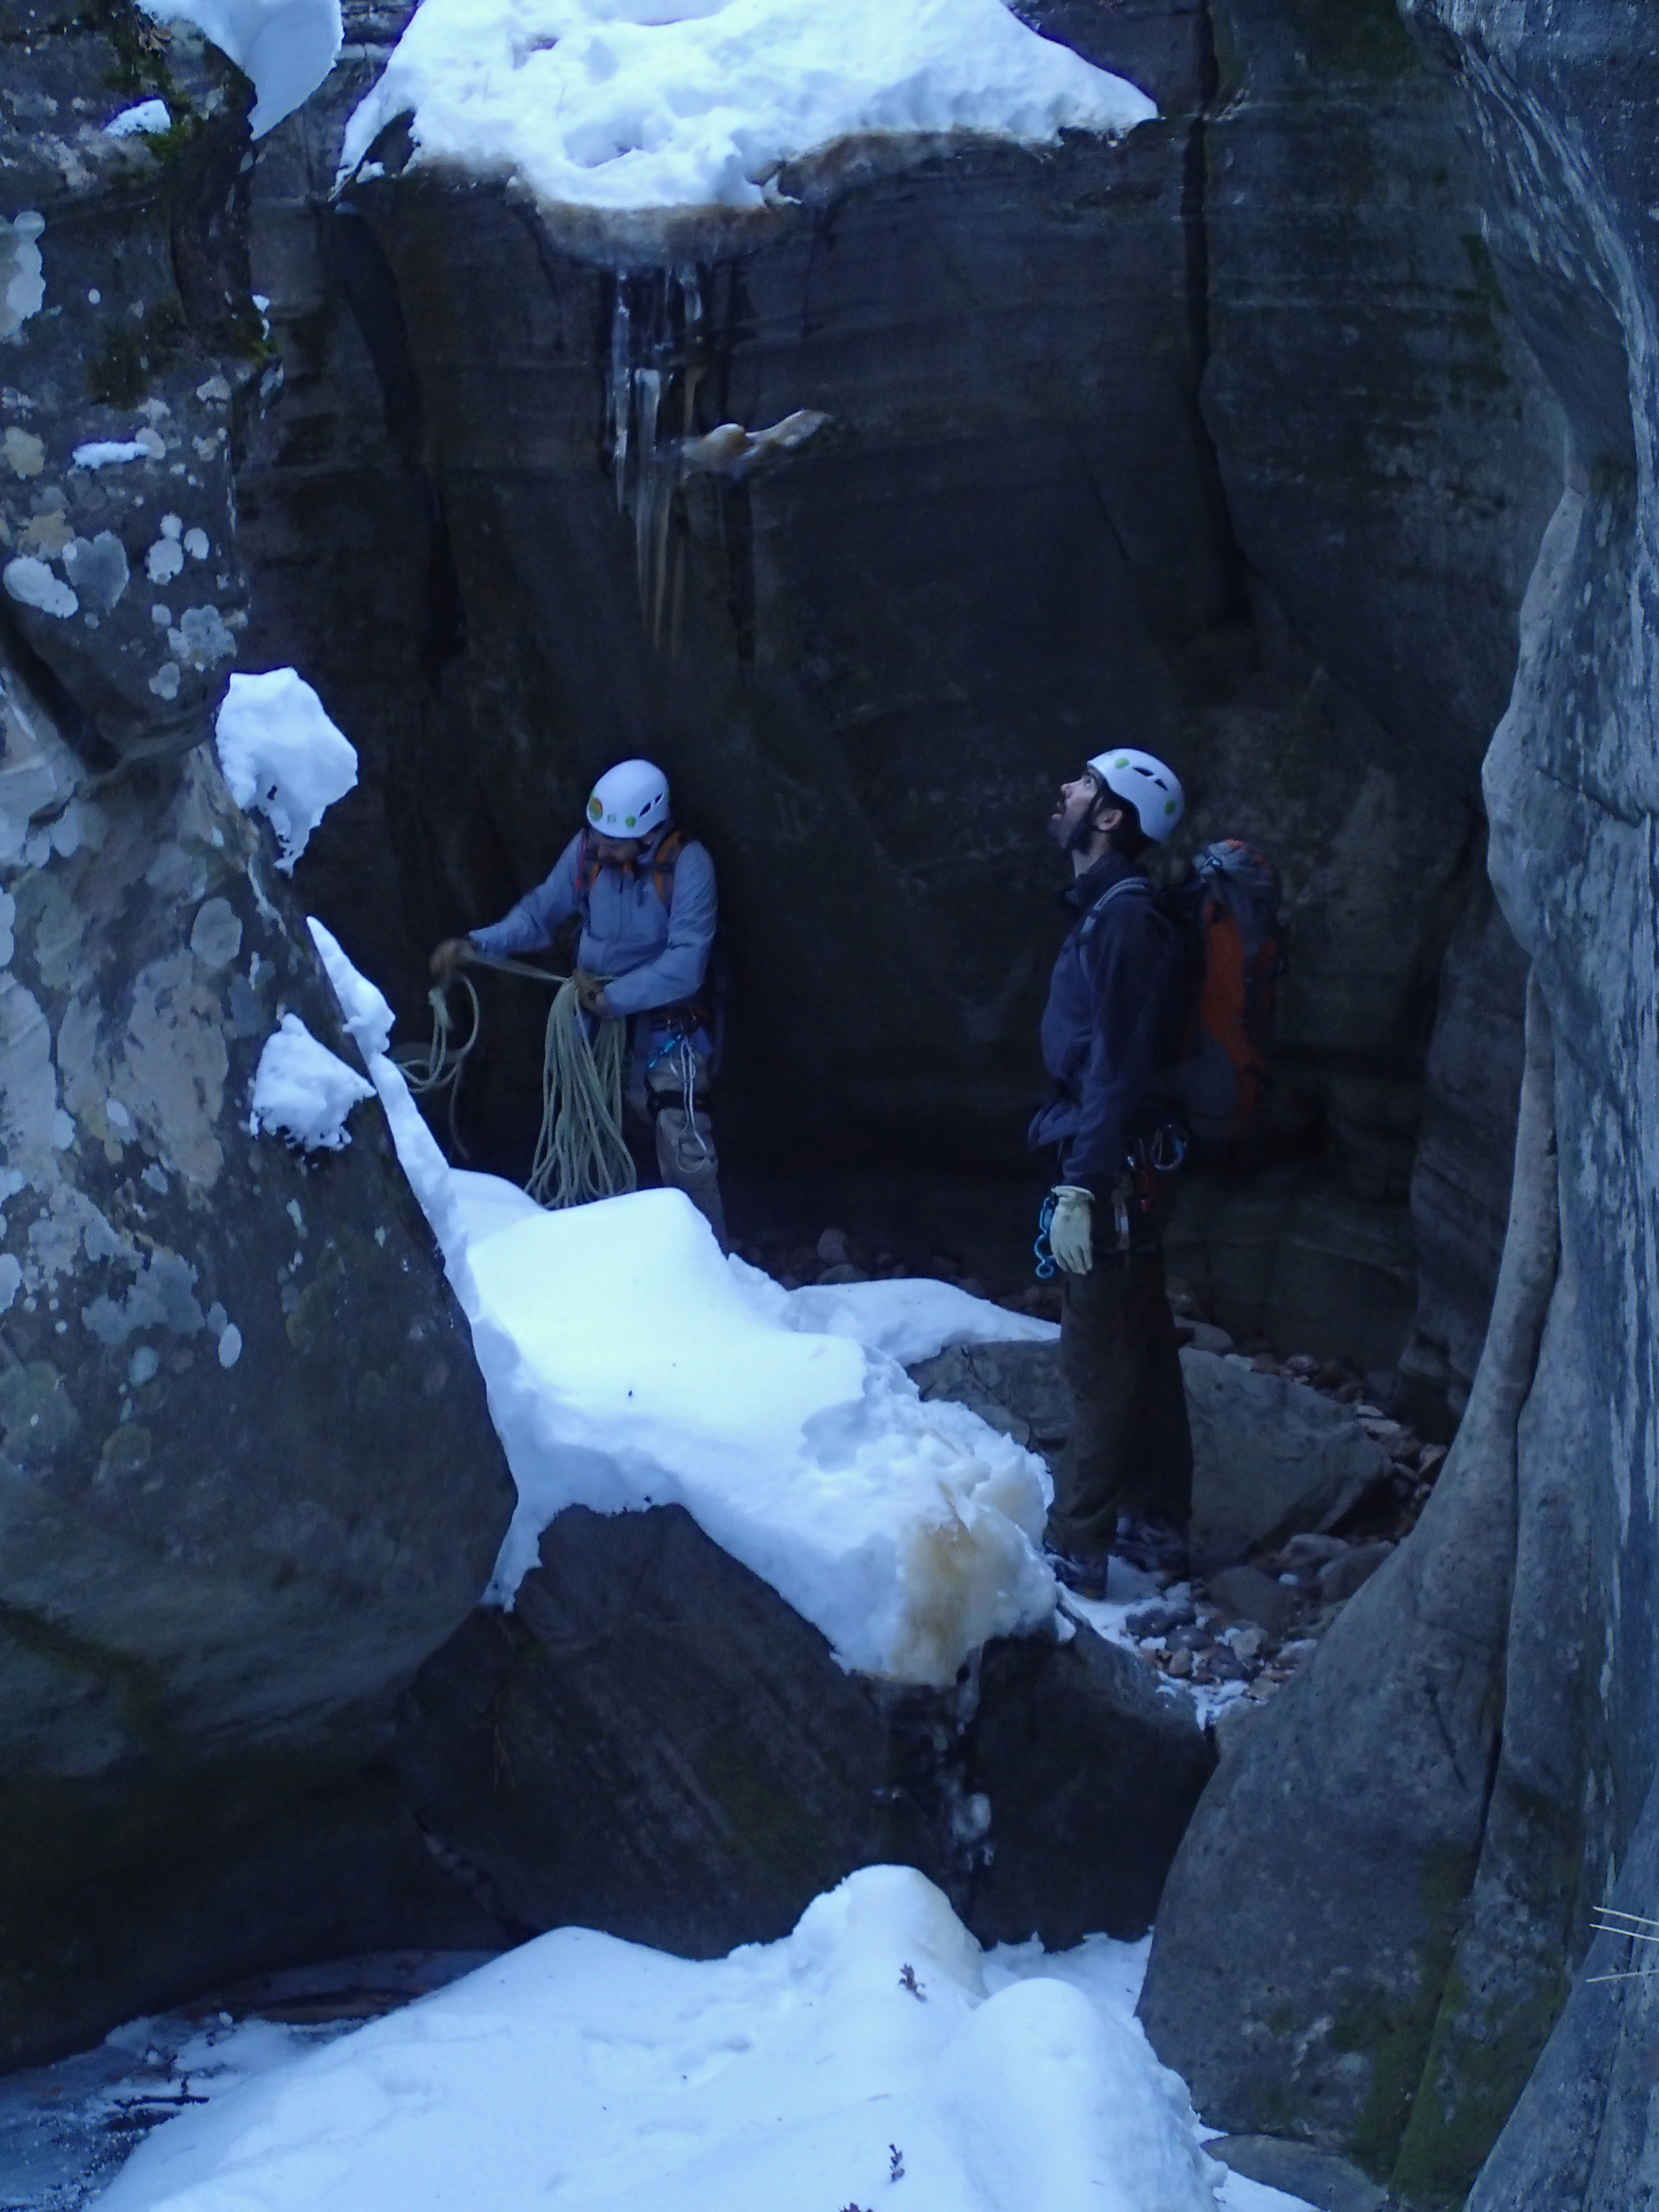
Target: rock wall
(1515, 1737)
(1012, 543)
(247, 1479)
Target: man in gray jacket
(645, 897)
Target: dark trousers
(1130, 1449)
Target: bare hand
(454, 952)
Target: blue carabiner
(1045, 1262)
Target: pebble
(1244, 1642)
(1159, 1619)
(1181, 1664)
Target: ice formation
(643, 104)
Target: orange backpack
(1230, 913)
(664, 861)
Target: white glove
(1070, 1234)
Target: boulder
(1340, 1578)
(653, 1742)
(1017, 1388)
(1314, 2177)
(1307, 1943)
(1270, 1456)
(247, 1477)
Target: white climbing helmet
(1154, 790)
(629, 800)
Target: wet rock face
(1504, 1655)
(1391, 453)
(246, 1478)
(651, 1743)
(127, 341)
(867, 664)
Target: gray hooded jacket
(656, 954)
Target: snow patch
(368, 1016)
(629, 1364)
(789, 2077)
(302, 1092)
(641, 104)
(286, 46)
(910, 1320)
(281, 753)
(148, 119)
(115, 453)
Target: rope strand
(580, 1151)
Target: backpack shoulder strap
(587, 867)
(1136, 883)
(664, 861)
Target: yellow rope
(581, 1154)
(580, 1151)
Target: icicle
(648, 480)
(621, 395)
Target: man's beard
(1069, 837)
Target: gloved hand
(1071, 1232)
(454, 952)
(590, 994)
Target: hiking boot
(1157, 1547)
(1083, 1573)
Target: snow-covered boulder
(651, 1741)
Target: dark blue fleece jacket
(1105, 1019)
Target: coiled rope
(580, 1151)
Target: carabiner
(1045, 1262)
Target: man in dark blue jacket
(1124, 1482)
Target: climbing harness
(580, 1151)
(677, 1044)
(1135, 1194)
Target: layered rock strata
(653, 1743)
